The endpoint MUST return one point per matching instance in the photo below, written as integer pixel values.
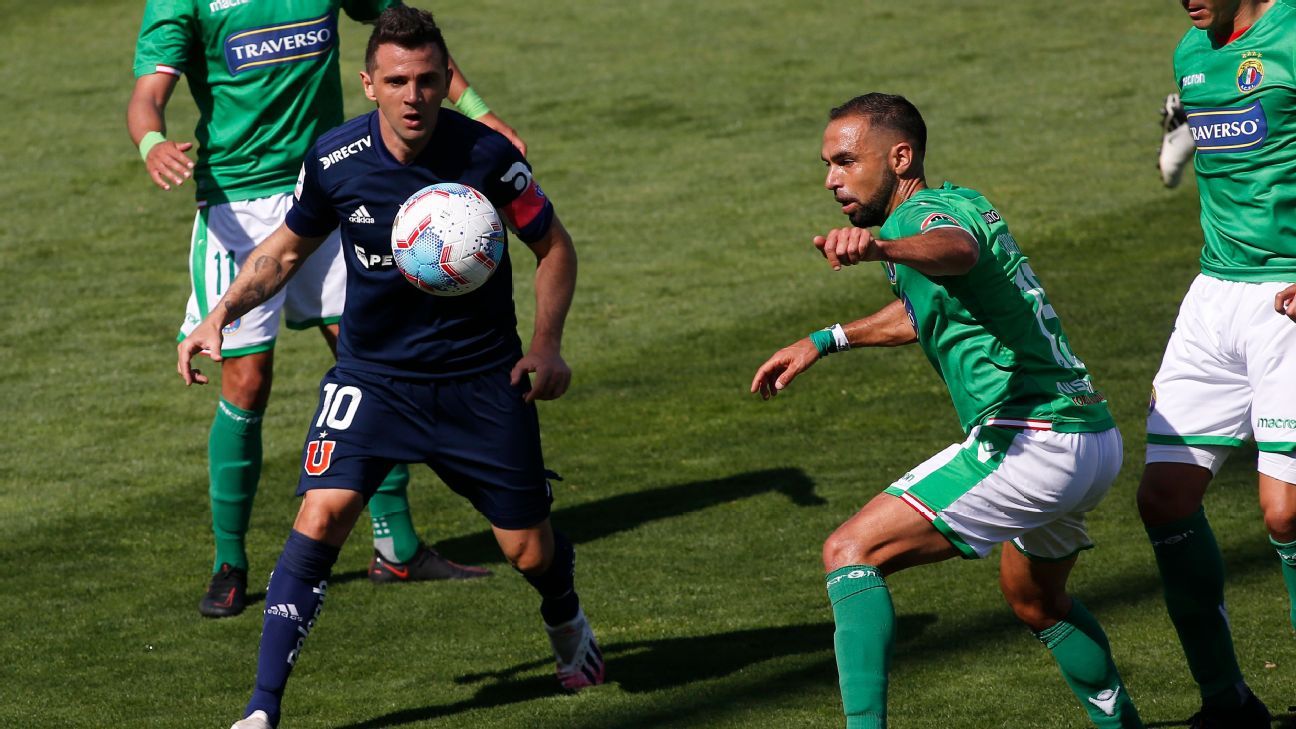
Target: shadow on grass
(623, 512)
(654, 665)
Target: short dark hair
(406, 27)
(890, 111)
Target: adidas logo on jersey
(284, 611)
(361, 215)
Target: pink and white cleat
(580, 662)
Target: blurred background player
(1041, 447)
(1177, 145)
(450, 370)
(265, 79)
(1229, 367)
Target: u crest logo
(319, 456)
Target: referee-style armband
(471, 105)
(148, 142)
(830, 340)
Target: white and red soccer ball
(447, 239)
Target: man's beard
(873, 211)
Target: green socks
(1080, 648)
(1192, 575)
(393, 529)
(234, 468)
(865, 623)
(1287, 553)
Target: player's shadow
(623, 512)
(653, 665)
(1281, 721)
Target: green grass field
(679, 141)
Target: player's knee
(1039, 611)
(528, 557)
(1280, 520)
(1170, 491)
(843, 549)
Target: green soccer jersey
(264, 74)
(991, 333)
(1241, 104)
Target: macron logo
(361, 215)
(284, 611)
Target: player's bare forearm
(265, 272)
(938, 252)
(887, 327)
(555, 285)
(165, 161)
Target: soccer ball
(447, 239)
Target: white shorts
(223, 236)
(1228, 375)
(1030, 487)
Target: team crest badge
(232, 327)
(319, 456)
(1250, 74)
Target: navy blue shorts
(476, 433)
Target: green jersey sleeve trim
(166, 33)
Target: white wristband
(839, 337)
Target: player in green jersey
(1228, 368)
(1041, 449)
(265, 79)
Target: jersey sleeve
(311, 215)
(921, 217)
(516, 194)
(364, 11)
(166, 34)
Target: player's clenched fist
(847, 246)
(779, 370)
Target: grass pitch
(680, 142)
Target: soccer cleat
(226, 593)
(1177, 144)
(1252, 714)
(580, 662)
(256, 720)
(426, 564)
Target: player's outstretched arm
(266, 271)
(555, 284)
(472, 106)
(947, 251)
(1285, 302)
(887, 327)
(146, 122)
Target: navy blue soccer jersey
(350, 180)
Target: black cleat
(426, 564)
(226, 594)
(1252, 714)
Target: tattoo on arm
(267, 276)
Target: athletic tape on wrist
(148, 142)
(830, 340)
(471, 105)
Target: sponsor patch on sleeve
(939, 220)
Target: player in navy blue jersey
(439, 380)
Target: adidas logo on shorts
(361, 215)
